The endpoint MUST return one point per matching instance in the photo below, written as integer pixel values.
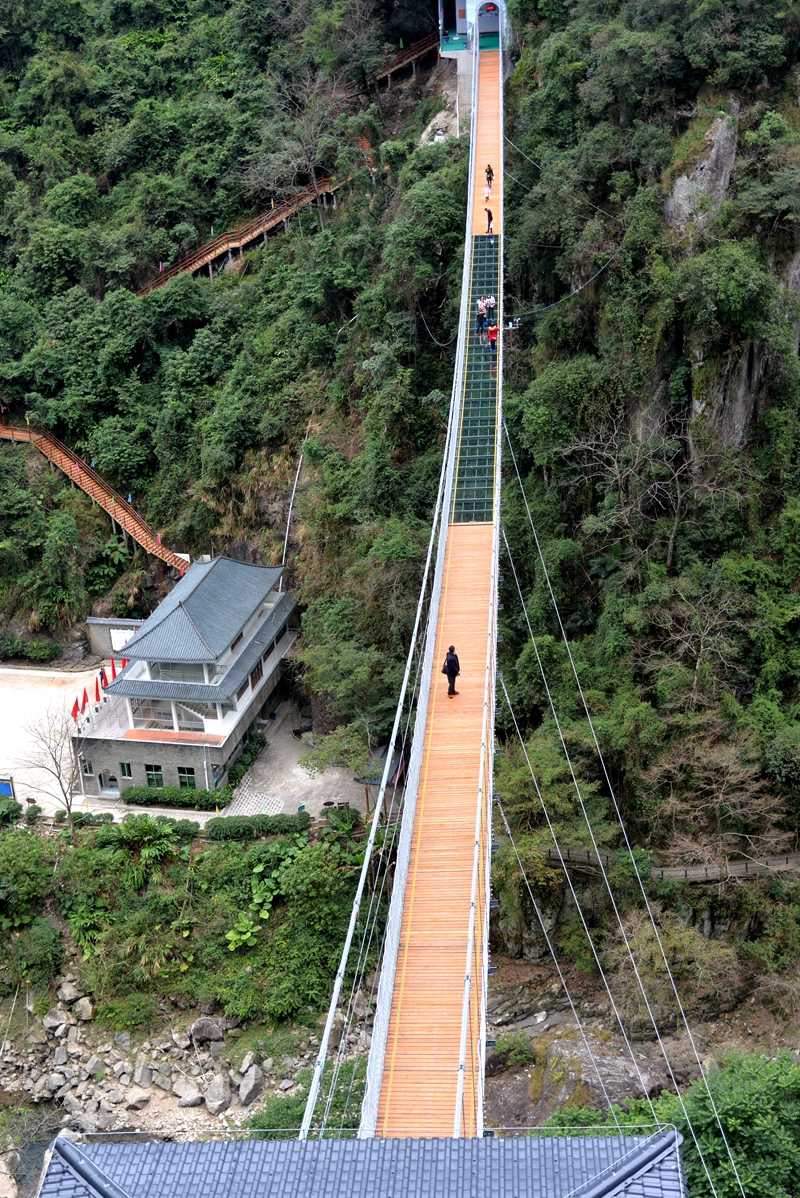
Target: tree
(52, 755)
(299, 141)
(646, 486)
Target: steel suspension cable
(606, 881)
(561, 978)
(319, 1064)
(618, 814)
(581, 915)
(370, 924)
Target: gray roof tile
(228, 685)
(204, 612)
(514, 1167)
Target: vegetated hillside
(129, 134)
(655, 173)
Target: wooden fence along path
(90, 481)
(259, 226)
(684, 873)
(237, 239)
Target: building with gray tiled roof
(573, 1166)
(202, 671)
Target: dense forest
(652, 393)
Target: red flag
(124, 662)
(103, 678)
(113, 670)
(96, 690)
(75, 709)
(85, 701)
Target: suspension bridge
(426, 1061)
(424, 1072)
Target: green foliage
(32, 814)
(244, 827)
(36, 953)
(755, 1100)
(32, 648)
(10, 810)
(129, 1012)
(175, 796)
(23, 877)
(242, 934)
(513, 1051)
(252, 749)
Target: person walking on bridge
(452, 669)
(489, 219)
(489, 175)
(491, 333)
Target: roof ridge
(200, 636)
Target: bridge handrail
(383, 1005)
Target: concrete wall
(98, 633)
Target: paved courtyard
(276, 782)
(25, 696)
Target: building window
(186, 778)
(125, 770)
(236, 641)
(281, 634)
(177, 671)
(88, 769)
(257, 675)
(152, 713)
(243, 688)
(155, 776)
(190, 716)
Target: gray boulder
(181, 1040)
(53, 1019)
(251, 1086)
(71, 1104)
(122, 1040)
(137, 1099)
(142, 1074)
(218, 1095)
(93, 1066)
(84, 1008)
(68, 992)
(162, 1080)
(114, 1096)
(61, 1056)
(191, 1097)
(203, 1030)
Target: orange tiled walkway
(418, 1095)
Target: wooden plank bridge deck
(420, 1072)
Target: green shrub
(23, 877)
(32, 813)
(175, 796)
(251, 751)
(91, 819)
(131, 1011)
(60, 816)
(36, 954)
(40, 649)
(514, 1051)
(243, 827)
(10, 811)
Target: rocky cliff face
(696, 195)
(729, 392)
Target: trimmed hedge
(176, 796)
(245, 827)
(247, 757)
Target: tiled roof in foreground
(514, 1167)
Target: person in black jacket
(452, 669)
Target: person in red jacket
(492, 335)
